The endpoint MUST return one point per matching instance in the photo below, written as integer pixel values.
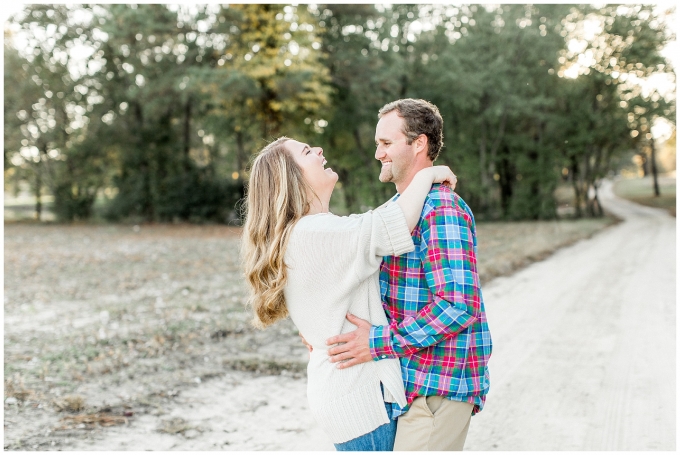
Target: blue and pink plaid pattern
(433, 299)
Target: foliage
(163, 114)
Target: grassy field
(105, 323)
(641, 190)
(504, 247)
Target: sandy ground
(584, 343)
(238, 411)
(584, 359)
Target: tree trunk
(139, 116)
(272, 120)
(362, 151)
(48, 174)
(654, 170)
(348, 190)
(645, 164)
(534, 188)
(404, 86)
(187, 132)
(575, 177)
(148, 203)
(38, 190)
(240, 152)
(506, 181)
(587, 177)
(593, 205)
(483, 175)
(596, 202)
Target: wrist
(380, 343)
(424, 177)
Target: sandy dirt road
(585, 343)
(584, 359)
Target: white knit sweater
(333, 267)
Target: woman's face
(312, 162)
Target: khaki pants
(433, 423)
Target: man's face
(392, 150)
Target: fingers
(349, 363)
(335, 350)
(347, 355)
(344, 338)
(444, 175)
(340, 357)
(354, 359)
(307, 345)
(357, 320)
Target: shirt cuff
(380, 343)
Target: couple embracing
(388, 301)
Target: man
(431, 296)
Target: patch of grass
(58, 356)
(82, 279)
(90, 421)
(175, 425)
(264, 366)
(504, 247)
(641, 191)
(70, 403)
(176, 328)
(17, 390)
(89, 352)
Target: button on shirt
(433, 300)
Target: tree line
(157, 109)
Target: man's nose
(379, 153)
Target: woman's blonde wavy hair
(276, 198)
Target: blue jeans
(380, 439)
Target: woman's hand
(307, 345)
(443, 175)
(412, 199)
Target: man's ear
(421, 143)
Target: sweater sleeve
(383, 232)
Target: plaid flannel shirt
(433, 300)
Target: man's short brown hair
(420, 117)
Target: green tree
(48, 105)
(268, 79)
(609, 114)
(170, 102)
(492, 76)
(362, 83)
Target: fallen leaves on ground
(91, 421)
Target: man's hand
(355, 349)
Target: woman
(300, 260)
